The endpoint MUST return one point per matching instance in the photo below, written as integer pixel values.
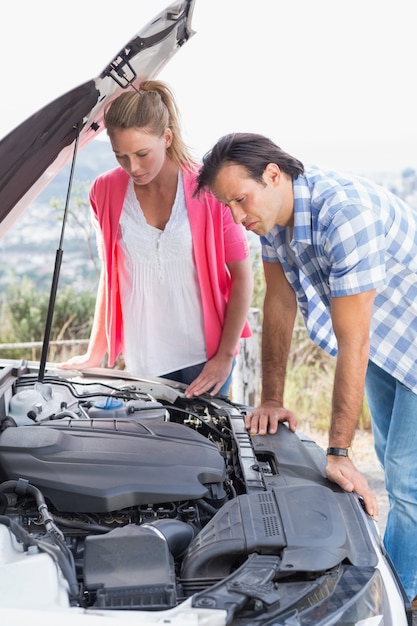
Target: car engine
(123, 494)
(124, 482)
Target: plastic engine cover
(105, 465)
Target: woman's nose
(134, 167)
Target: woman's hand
(211, 378)
(81, 362)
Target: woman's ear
(168, 137)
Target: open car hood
(36, 151)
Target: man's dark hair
(251, 151)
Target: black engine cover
(104, 465)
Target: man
(344, 250)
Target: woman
(176, 281)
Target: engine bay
(144, 498)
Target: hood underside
(37, 150)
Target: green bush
(24, 312)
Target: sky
(333, 82)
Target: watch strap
(337, 451)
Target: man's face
(258, 207)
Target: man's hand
(341, 470)
(265, 419)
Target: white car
(122, 501)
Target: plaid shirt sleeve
(354, 244)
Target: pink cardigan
(217, 240)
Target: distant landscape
(29, 248)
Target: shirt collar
(302, 210)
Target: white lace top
(162, 312)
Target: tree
(79, 220)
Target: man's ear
(272, 174)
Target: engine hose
(18, 531)
(177, 534)
(60, 551)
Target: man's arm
(280, 308)
(351, 319)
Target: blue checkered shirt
(350, 235)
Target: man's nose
(238, 214)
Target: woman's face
(140, 153)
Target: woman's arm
(217, 369)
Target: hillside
(29, 248)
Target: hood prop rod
(57, 269)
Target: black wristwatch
(337, 451)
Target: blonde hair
(152, 107)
